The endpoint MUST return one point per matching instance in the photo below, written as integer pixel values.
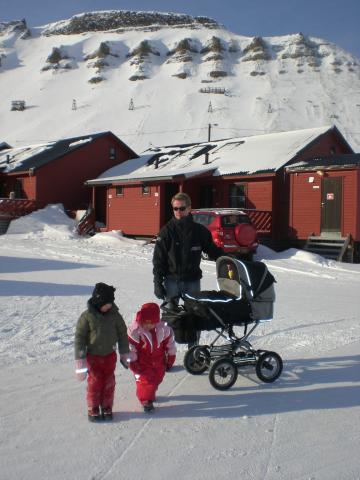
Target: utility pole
(209, 130)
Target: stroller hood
(249, 280)
(242, 278)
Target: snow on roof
(246, 155)
(35, 156)
(334, 161)
(80, 142)
(13, 158)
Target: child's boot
(107, 413)
(148, 406)
(94, 414)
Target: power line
(183, 130)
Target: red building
(325, 200)
(249, 173)
(55, 172)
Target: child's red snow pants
(147, 382)
(101, 380)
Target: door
(101, 204)
(331, 204)
(206, 196)
(171, 189)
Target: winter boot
(107, 413)
(94, 414)
(148, 406)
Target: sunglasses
(182, 209)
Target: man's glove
(159, 290)
(125, 360)
(81, 369)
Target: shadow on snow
(17, 265)
(310, 384)
(14, 288)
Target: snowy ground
(304, 426)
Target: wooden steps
(332, 247)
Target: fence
(86, 223)
(18, 105)
(262, 220)
(15, 208)
(218, 90)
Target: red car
(231, 229)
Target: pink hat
(149, 312)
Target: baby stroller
(245, 298)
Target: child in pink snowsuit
(152, 352)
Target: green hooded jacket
(98, 333)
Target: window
(237, 195)
(145, 190)
(204, 219)
(233, 220)
(119, 191)
(112, 153)
(18, 188)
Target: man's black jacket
(178, 248)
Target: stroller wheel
(269, 367)
(197, 360)
(223, 373)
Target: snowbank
(116, 238)
(265, 253)
(49, 222)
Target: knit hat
(102, 295)
(149, 312)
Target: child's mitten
(81, 369)
(170, 362)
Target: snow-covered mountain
(158, 79)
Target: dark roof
(347, 160)
(4, 145)
(56, 150)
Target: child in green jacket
(98, 331)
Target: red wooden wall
(357, 202)
(62, 180)
(133, 212)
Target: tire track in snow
(270, 447)
(137, 436)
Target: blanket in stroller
(217, 309)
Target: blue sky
(333, 20)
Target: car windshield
(233, 220)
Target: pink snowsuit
(151, 351)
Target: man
(177, 253)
